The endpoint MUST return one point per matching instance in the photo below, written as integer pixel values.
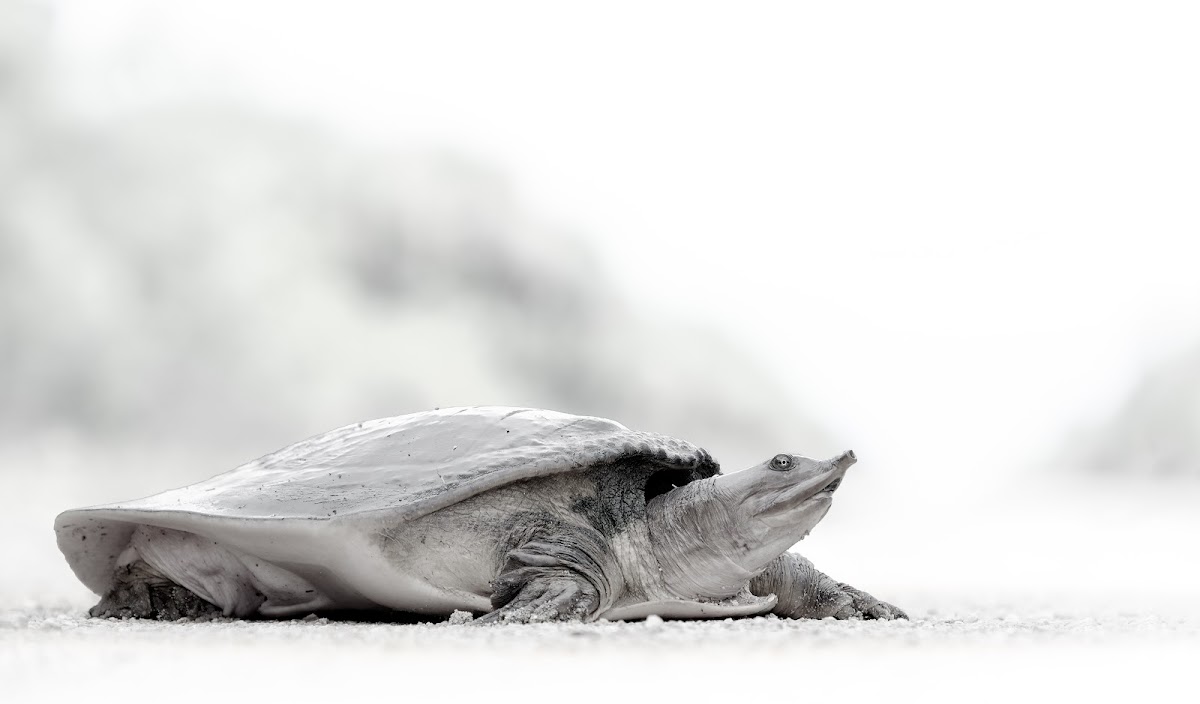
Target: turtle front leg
(549, 595)
(559, 574)
(805, 592)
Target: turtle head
(775, 504)
(712, 536)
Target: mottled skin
(590, 545)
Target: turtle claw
(884, 611)
(546, 601)
(858, 605)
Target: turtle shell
(292, 504)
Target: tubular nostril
(850, 454)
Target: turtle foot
(805, 592)
(851, 603)
(556, 573)
(546, 599)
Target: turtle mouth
(831, 486)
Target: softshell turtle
(520, 514)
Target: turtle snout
(845, 459)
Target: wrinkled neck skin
(712, 536)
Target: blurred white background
(976, 218)
(960, 238)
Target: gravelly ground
(968, 627)
(988, 653)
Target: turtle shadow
(377, 616)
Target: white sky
(945, 225)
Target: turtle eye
(781, 463)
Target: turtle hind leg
(139, 593)
(126, 598)
(172, 602)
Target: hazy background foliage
(1155, 433)
(215, 277)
